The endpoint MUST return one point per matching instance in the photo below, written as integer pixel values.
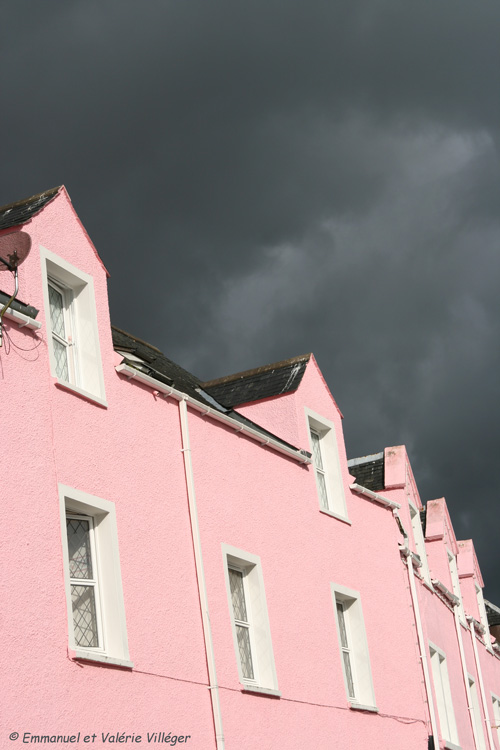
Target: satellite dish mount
(14, 249)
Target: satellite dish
(14, 249)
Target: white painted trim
(332, 470)
(359, 651)
(360, 707)
(108, 564)
(419, 541)
(89, 375)
(166, 390)
(495, 699)
(262, 647)
(344, 519)
(261, 691)
(80, 655)
(443, 697)
(475, 713)
(481, 683)
(452, 564)
(65, 386)
(22, 320)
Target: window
(85, 600)
(418, 538)
(71, 316)
(249, 621)
(62, 326)
(452, 561)
(329, 483)
(94, 596)
(483, 616)
(496, 715)
(244, 633)
(443, 696)
(353, 645)
(476, 715)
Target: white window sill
(101, 658)
(331, 513)
(451, 745)
(22, 320)
(361, 707)
(261, 691)
(65, 386)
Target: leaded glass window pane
(61, 357)
(318, 461)
(243, 636)
(346, 653)
(238, 595)
(79, 552)
(84, 616)
(348, 673)
(342, 628)
(57, 312)
(323, 495)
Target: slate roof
(262, 382)
(369, 471)
(21, 212)
(155, 364)
(493, 613)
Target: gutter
(374, 496)
(133, 374)
(453, 600)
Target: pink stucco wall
(249, 497)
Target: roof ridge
(256, 371)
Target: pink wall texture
(168, 670)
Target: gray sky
(270, 178)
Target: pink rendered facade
(183, 573)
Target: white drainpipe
(200, 575)
(465, 675)
(470, 620)
(420, 633)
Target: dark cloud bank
(272, 178)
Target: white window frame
(331, 470)
(442, 690)
(86, 375)
(93, 582)
(364, 694)
(496, 715)
(113, 644)
(476, 716)
(69, 341)
(455, 582)
(418, 538)
(483, 616)
(265, 678)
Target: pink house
(198, 563)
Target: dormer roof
(260, 383)
(21, 212)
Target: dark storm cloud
(271, 178)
